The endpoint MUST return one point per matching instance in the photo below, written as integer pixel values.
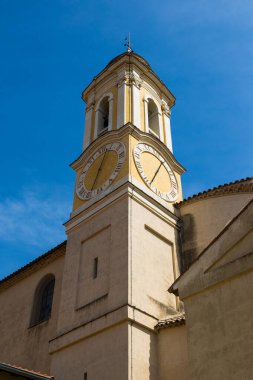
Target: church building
(148, 285)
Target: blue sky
(50, 51)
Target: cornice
(127, 59)
(123, 190)
(128, 129)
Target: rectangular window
(85, 377)
(95, 268)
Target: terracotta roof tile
(172, 321)
(244, 185)
(24, 371)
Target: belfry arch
(103, 115)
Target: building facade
(97, 306)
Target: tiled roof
(46, 258)
(244, 185)
(174, 320)
(23, 372)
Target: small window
(43, 300)
(153, 118)
(95, 268)
(85, 377)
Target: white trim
(167, 128)
(160, 125)
(110, 113)
(136, 106)
(87, 129)
(145, 198)
(146, 127)
(124, 315)
(121, 104)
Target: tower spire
(128, 43)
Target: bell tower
(122, 234)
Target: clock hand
(161, 163)
(99, 169)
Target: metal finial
(128, 43)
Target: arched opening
(43, 300)
(153, 118)
(103, 115)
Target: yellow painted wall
(128, 168)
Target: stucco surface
(21, 344)
(204, 219)
(101, 356)
(142, 358)
(108, 232)
(173, 353)
(153, 261)
(220, 329)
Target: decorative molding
(121, 81)
(151, 91)
(165, 109)
(89, 107)
(128, 129)
(135, 80)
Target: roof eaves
(59, 250)
(173, 321)
(226, 188)
(28, 374)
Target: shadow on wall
(153, 358)
(188, 240)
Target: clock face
(100, 170)
(156, 172)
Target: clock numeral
(118, 148)
(82, 192)
(138, 164)
(146, 179)
(137, 155)
(158, 192)
(117, 169)
(148, 148)
(174, 184)
(121, 155)
(91, 160)
(173, 194)
(102, 150)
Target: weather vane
(128, 43)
